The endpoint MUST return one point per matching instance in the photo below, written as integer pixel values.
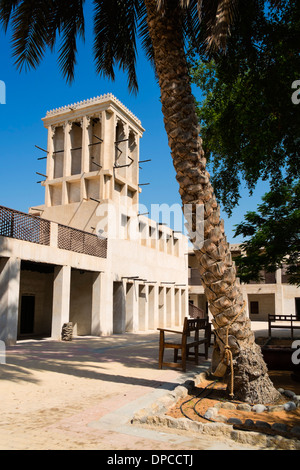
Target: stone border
(155, 415)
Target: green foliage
(273, 234)
(251, 131)
(250, 126)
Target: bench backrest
(194, 324)
(282, 317)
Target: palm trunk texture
(246, 373)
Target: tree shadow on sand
(94, 358)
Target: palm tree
(163, 26)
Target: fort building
(272, 295)
(87, 255)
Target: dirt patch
(208, 394)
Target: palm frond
(219, 22)
(143, 33)
(192, 22)
(37, 24)
(115, 28)
(199, 9)
(29, 27)
(6, 9)
(161, 4)
(220, 16)
(40, 24)
(204, 21)
(71, 24)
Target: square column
(162, 311)
(108, 120)
(152, 306)
(177, 307)
(50, 148)
(100, 305)
(85, 155)
(61, 299)
(184, 304)
(10, 269)
(169, 307)
(143, 307)
(67, 148)
(132, 307)
(119, 307)
(172, 301)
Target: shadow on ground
(109, 359)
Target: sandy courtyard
(52, 394)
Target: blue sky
(29, 95)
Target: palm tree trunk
(235, 338)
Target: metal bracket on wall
(96, 143)
(94, 163)
(143, 161)
(43, 150)
(145, 213)
(96, 200)
(118, 149)
(124, 166)
(131, 277)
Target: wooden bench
(188, 342)
(289, 319)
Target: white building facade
(273, 295)
(88, 255)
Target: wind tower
(92, 158)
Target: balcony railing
(81, 242)
(15, 224)
(29, 228)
